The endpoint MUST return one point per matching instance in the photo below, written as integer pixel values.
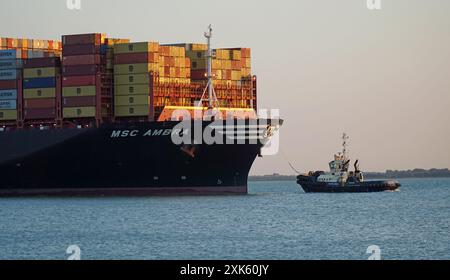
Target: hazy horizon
(329, 66)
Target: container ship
(93, 115)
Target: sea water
(277, 220)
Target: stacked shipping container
(133, 64)
(174, 66)
(86, 85)
(40, 88)
(10, 78)
(94, 66)
(32, 48)
(229, 66)
(231, 69)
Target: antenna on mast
(344, 145)
(212, 99)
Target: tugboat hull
(364, 187)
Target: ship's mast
(212, 99)
(208, 36)
(344, 145)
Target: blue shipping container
(39, 83)
(10, 74)
(10, 54)
(8, 105)
(8, 94)
(103, 49)
(11, 64)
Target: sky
(381, 76)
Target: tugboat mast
(344, 145)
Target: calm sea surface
(276, 221)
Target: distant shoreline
(389, 174)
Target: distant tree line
(389, 174)
(415, 173)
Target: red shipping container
(24, 54)
(45, 103)
(79, 101)
(36, 114)
(81, 60)
(166, 71)
(81, 49)
(73, 81)
(80, 39)
(154, 57)
(130, 58)
(42, 62)
(198, 74)
(8, 84)
(80, 70)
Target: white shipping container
(8, 104)
(8, 94)
(10, 74)
(35, 54)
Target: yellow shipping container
(131, 111)
(79, 91)
(173, 71)
(129, 100)
(8, 115)
(226, 64)
(236, 75)
(38, 93)
(218, 74)
(40, 72)
(79, 112)
(247, 63)
(132, 90)
(223, 54)
(139, 68)
(136, 47)
(199, 47)
(38, 44)
(132, 79)
(236, 55)
(114, 41)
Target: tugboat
(341, 180)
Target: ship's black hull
(140, 160)
(363, 187)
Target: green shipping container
(138, 68)
(79, 91)
(131, 111)
(39, 93)
(137, 79)
(132, 90)
(78, 112)
(46, 72)
(8, 115)
(128, 100)
(136, 47)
